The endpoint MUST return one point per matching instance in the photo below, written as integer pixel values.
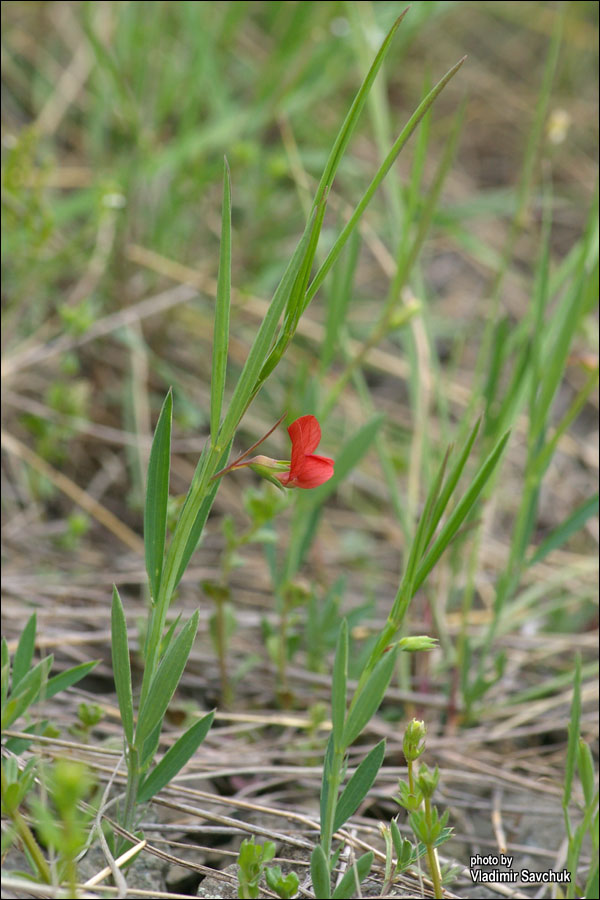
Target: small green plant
(415, 796)
(285, 886)
(24, 684)
(63, 823)
(252, 860)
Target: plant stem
(434, 865)
(133, 783)
(26, 835)
(335, 779)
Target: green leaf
(28, 692)
(349, 124)
(379, 176)
(285, 886)
(175, 758)
(319, 872)
(326, 778)
(349, 886)
(450, 483)
(165, 681)
(247, 382)
(197, 526)
(338, 687)
(563, 532)
(24, 653)
(459, 514)
(67, 679)
(221, 329)
(19, 745)
(367, 702)
(157, 496)
(121, 664)
(359, 785)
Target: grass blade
(175, 758)
(157, 496)
(121, 665)
(221, 329)
(460, 513)
(571, 524)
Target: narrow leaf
(370, 697)
(319, 872)
(350, 884)
(157, 496)
(221, 329)
(121, 664)
(379, 176)
(359, 785)
(197, 526)
(338, 687)
(27, 694)
(24, 652)
(345, 132)
(175, 758)
(451, 482)
(165, 681)
(326, 778)
(67, 679)
(246, 384)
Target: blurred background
(116, 117)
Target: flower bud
(414, 740)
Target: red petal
(313, 471)
(305, 433)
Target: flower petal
(305, 432)
(313, 471)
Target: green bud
(417, 642)
(414, 740)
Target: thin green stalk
(434, 865)
(335, 780)
(26, 835)
(133, 783)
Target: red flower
(306, 469)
